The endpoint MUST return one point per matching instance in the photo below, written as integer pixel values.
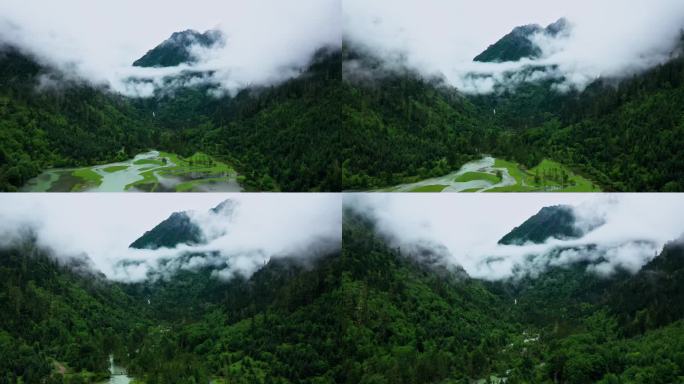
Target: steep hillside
(399, 127)
(519, 43)
(56, 315)
(281, 137)
(178, 49)
(47, 120)
(550, 222)
(623, 134)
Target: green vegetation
(401, 128)
(470, 176)
(73, 126)
(546, 176)
(284, 137)
(200, 167)
(429, 188)
(115, 168)
(368, 314)
(89, 179)
(49, 313)
(149, 161)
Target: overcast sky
(608, 37)
(102, 225)
(99, 40)
(470, 225)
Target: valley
(383, 308)
(151, 171)
(496, 175)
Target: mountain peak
(176, 229)
(225, 207)
(178, 48)
(556, 221)
(518, 44)
(180, 228)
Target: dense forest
(377, 128)
(624, 134)
(370, 314)
(282, 137)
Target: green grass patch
(148, 178)
(197, 163)
(472, 190)
(115, 168)
(513, 169)
(148, 161)
(471, 176)
(88, 177)
(429, 188)
(549, 175)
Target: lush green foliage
(405, 129)
(624, 135)
(72, 125)
(56, 313)
(371, 314)
(283, 137)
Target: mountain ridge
(518, 43)
(177, 49)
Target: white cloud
(103, 225)
(99, 41)
(469, 226)
(609, 38)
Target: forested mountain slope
(58, 316)
(624, 134)
(56, 123)
(372, 313)
(284, 137)
(280, 137)
(400, 127)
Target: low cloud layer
(608, 39)
(267, 41)
(465, 229)
(101, 226)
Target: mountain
(550, 222)
(519, 44)
(654, 297)
(54, 318)
(178, 49)
(179, 228)
(49, 120)
(400, 126)
(176, 229)
(623, 134)
(370, 313)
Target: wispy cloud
(635, 228)
(607, 39)
(267, 41)
(101, 226)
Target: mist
(98, 228)
(267, 41)
(634, 230)
(607, 39)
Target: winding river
(130, 171)
(486, 164)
